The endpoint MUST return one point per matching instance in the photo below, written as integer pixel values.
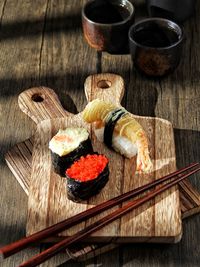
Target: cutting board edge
(22, 184)
(123, 240)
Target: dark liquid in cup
(107, 13)
(155, 36)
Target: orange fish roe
(87, 168)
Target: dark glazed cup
(155, 46)
(106, 24)
(177, 10)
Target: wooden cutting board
(19, 161)
(157, 221)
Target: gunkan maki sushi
(67, 146)
(87, 176)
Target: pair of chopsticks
(17, 246)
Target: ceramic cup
(177, 10)
(106, 24)
(155, 46)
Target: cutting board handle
(41, 103)
(106, 86)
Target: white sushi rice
(124, 146)
(120, 143)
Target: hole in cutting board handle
(104, 84)
(37, 98)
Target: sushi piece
(87, 176)
(68, 145)
(117, 128)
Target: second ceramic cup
(156, 46)
(106, 24)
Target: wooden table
(41, 43)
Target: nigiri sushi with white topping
(117, 128)
(68, 145)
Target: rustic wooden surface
(42, 44)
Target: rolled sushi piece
(117, 128)
(87, 176)
(67, 146)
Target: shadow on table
(62, 85)
(142, 101)
(10, 233)
(187, 143)
(28, 28)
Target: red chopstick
(15, 247)
(34, 261)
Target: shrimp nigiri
(117, 128)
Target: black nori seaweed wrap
(82, 190)
(110, 125)
(60, 164)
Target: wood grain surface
(48, 202)
(39, 44)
